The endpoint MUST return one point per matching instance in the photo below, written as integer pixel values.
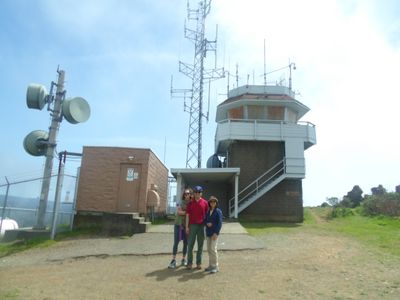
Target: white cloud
(346, 74)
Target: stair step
(124, 223)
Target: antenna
(198, 74)
(39, 142)
(165, 148)
(265, 67)
(290, 73)
(237, 75)
(209, 92)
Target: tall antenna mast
(265, 67)
(198, 74)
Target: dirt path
(297, 265)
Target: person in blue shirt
(213, 222)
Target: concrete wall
(100, 177)
(284, 203)
(254, 158)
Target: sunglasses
(187, 194)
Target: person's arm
(187, 223)
(187, 218)
(181, 212)
(218, 223)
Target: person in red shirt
(196, 211)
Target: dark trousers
(196, 231)
(179, 235)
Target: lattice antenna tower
(199, 75)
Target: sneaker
(189, 266)
(214, 270)
(183, 262)
(198, 267)
(208, 269)
(172, 264)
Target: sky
(120, 56)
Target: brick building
(121, 180)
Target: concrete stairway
(116, 224)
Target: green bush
(338, 211)
(387, 204)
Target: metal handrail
(309, 124)
(273, 173)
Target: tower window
(276, 112)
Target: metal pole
(53, 130)
(74, 202)
(4, 204)
(236, 196)
(60, 179)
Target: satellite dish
(214, 162)
(36, 96)
(34, 142)
(76, 110)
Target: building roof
(201, 175)
(260, 95)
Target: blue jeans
(179, 235)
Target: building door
(129, 187)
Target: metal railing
(265, 179)
(265, 121)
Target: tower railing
(261, 121)
(262, 130)
(260, 186)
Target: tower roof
(260, 95)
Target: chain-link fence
(19, 201)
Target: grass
(86, 232)
(258, 228)
(13, 294)
(160, 221)
(10, 248)
(379, 232)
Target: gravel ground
(296, 265)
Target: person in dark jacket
(213, 222)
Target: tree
(333, 201)
(354, 197)
(378, 191)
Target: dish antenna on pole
(40, 142)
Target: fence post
(60, 178)
(4, 204)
